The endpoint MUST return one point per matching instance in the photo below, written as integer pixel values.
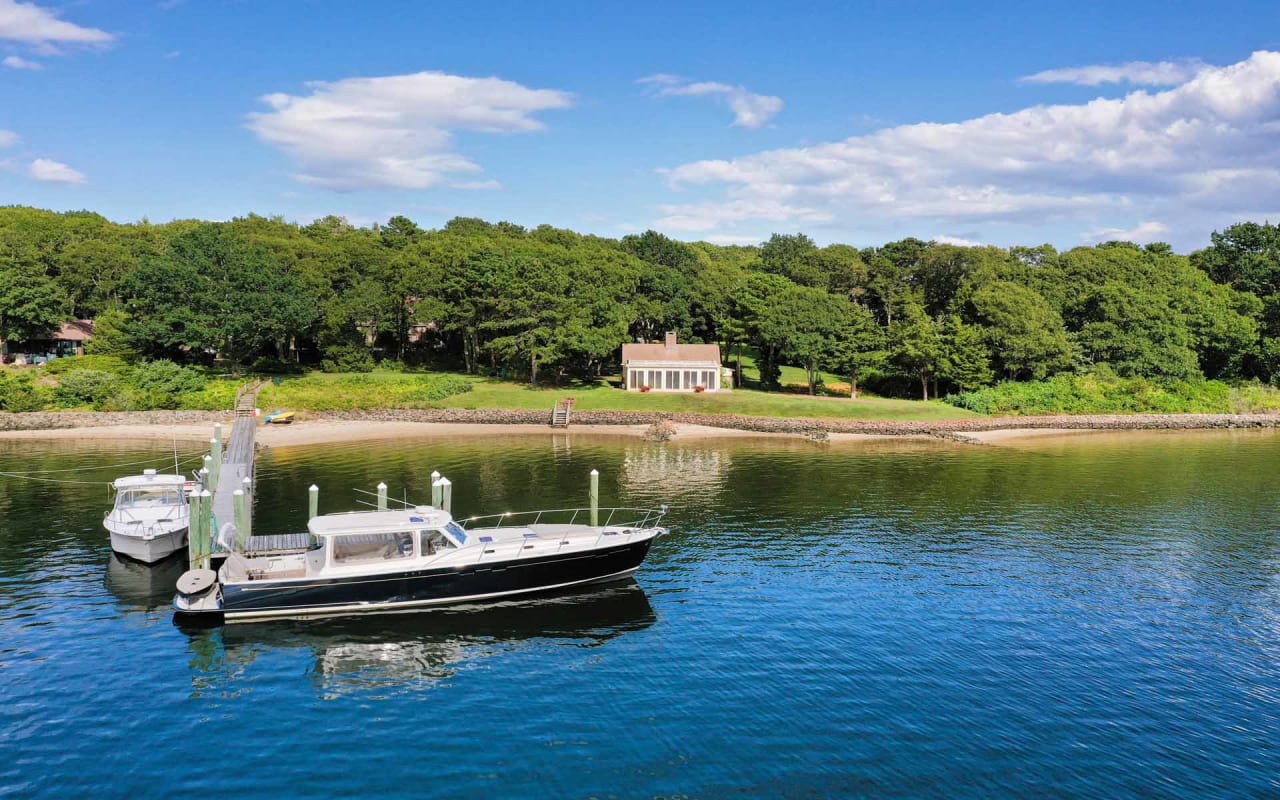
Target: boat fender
(195, 582)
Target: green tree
(860, 344)
(966, 358)
(1025, 334)
(917, 346)
(30, 305)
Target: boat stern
(199, 595)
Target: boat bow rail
(620, 517)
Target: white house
(672, 367)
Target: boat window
(434, 542)
(363, 548)
(149, 497)
(455, 530)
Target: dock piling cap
(196, 581)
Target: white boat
(150, 517)
(420, 557)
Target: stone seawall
(55, 420)
(948, 427)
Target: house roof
(76, 330)
(679, 352)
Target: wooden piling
(595, 497)
(313, 502)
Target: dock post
(242, 519)
(382, 497)
(208, 528)
(215, 450)
(435, 490)
(313, 502)
(217, 433)
(595, 497)
(195, 514)
(446, 495)
(204, 475)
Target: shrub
(62, 366)
(85, 387)
(1098, 392)
(436, 387)
(18, 392)
(348, 358)
(167, 377)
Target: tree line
(548, 304)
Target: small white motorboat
(150, 517)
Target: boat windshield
(455, 530)
(149, 497)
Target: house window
(690, 378)
(673, 380)
(709, 379)
(655, 379)
(635, 378)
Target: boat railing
(619, 517)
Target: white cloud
(8, 138)
(31, 24)
(44, 169)
(1211, 145)
(728, 239)
(1138, 73)
(397, 131)
(958, 241)
(16, 62)
(750, 110)
(1142, 233)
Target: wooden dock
(237, 463)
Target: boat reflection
(144, 587)
(391, 652)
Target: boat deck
(278, 544)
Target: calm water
(1092, 617)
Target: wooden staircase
(560, 414)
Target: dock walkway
(237, 461)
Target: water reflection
(137, 586)
(390, 653)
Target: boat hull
(425, 587)
(149, 551)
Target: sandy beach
(311, 432)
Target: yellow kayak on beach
(278, 418)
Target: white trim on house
(672, 376)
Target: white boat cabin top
(149, 478)
(149, 490)
(366, 522)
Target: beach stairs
(560, 414)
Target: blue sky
(1002, 123)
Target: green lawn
(322, 391)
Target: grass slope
(322, 391)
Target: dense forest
(551, 305)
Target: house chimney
(671, 340)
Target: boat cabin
(364, 538)
(149, 490)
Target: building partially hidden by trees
(68, 339)
(672, 367)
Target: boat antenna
(176, 469)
